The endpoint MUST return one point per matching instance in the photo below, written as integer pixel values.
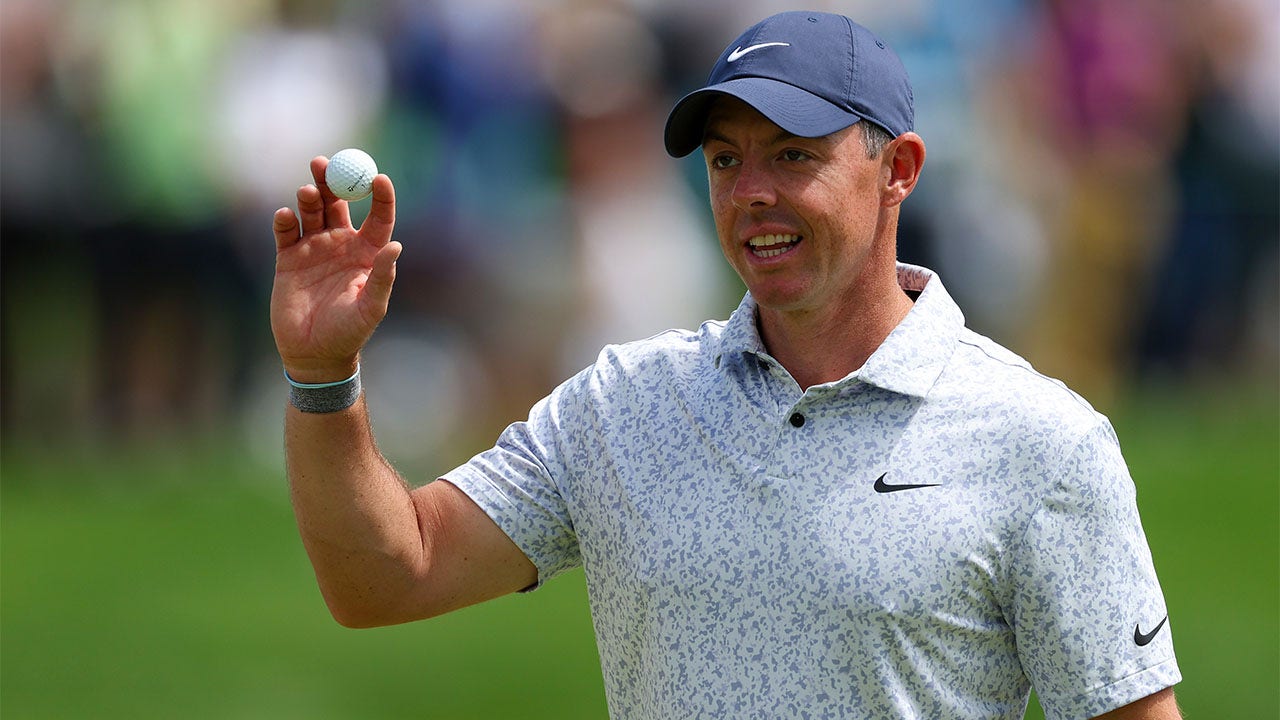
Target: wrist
(324, 397)
(316, 372)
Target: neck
(829, 343)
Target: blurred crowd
(1100, 193)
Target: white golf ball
(350, 174)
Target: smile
(768, 246)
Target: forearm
(355, 514)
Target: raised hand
(332, 282)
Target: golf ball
(350, 174)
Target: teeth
(777, 244)
(767, 240)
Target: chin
(779, 300)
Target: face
(797, 217)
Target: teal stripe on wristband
(324, 397)
(321, 386)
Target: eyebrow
(781, 136)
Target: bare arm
(382, 553)
(1159, 706)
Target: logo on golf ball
(350, 174)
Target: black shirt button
(797, 419)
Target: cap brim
(797, 111)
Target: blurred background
(1101, 195)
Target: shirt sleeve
(517, 483)
(1092, 628)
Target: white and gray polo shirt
(926, 538)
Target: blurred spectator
(1108, 85)
(45, 190)
(970, 218)
(472, 139)
(1101, 192)
(294, 83)
(173, 299)
(1217, 276)
(646, 256)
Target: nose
(753, 188)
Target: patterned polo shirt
(928, 537)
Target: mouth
(771, 246)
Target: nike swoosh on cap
(739, 52)
(883, 487)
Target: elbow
(360, 613)
(374, 590)
(355, 620)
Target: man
(838, 503)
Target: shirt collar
(909, 361)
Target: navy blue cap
(811, 73)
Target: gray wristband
(324, 397)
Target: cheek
(719, 190)
(722, 213)
(856, 201)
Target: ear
(903, 159)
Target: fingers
(285, 227)
(336, 211)
(320, 210)
(311, 209)
(383, 275)
(377, 226)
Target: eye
(794, 155)
(720, 162)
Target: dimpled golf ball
(350, 174)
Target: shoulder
(989, 397)
(996, 376)
(631, 388)
(668, 355)
(667, 363)
(1028, 436)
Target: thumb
(383, 274)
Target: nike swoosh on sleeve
(1142, 639)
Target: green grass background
(170, 583)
